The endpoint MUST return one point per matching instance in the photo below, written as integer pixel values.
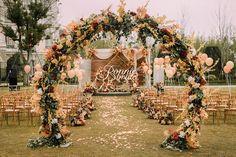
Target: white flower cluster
(191, 80)
(58, 136)
(150, 41)
(191, 106)
(187, 123)
(182, 134)
(54, 121)
(131, 40)
(40, 91)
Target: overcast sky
(200, 15)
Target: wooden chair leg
(18, 117)
(213, 117)
(6, 118)
(225, 113)
(31, 118)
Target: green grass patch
(118, 130)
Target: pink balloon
(204, 57)
(27, 69)
(169, 73)
(227, 69)
(230, 64)
(37, 75)
(209, 61)
(71, 73)
(173, 70)
(38, 67)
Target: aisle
(118, 128)
(117, 124)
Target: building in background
(8, 47)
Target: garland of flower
(60, 58)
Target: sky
(199, 15)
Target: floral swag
(150, 32)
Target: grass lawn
(118, 130)
(4, 90)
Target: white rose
(40, 91)
(190, 106)
(187, 123)
(181, 134)
(54, 121)
(58, 135)
(196, 85)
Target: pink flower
(49, 54)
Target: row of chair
(219, 102)
(16, 107)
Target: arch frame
(61, 56)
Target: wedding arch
(151, 31)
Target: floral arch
(64, 54)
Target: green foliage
(100, 44)
(28, 28)
(15, 12)
(215, 53)
(9, 32)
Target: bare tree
(183, 20)
(225, 32)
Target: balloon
(173, 69)
(167, 59)
(227, 69)
(71, 73)
(37, 75)
(209, 61)
(169, 73)
(38, 67)
(27, 69)
(203, 57)
(145, 68)
(230, 64)
(149, 72)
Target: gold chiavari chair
(211, 107)
(10, 110)
(231, 108)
